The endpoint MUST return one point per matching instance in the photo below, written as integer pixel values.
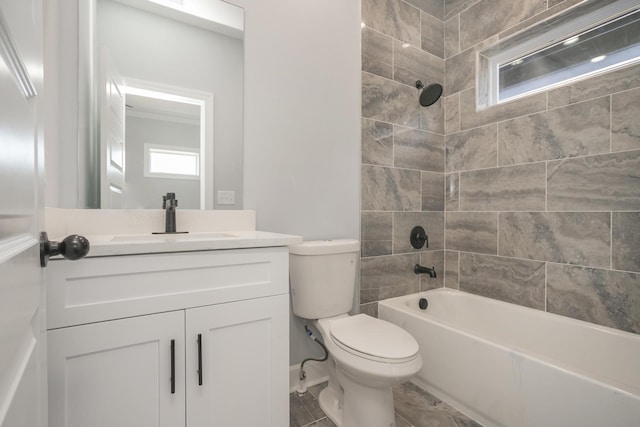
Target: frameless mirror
(164, 89)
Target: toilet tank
(323, 277)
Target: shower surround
(534, 202)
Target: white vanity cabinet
(181, 339)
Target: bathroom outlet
(226, 197)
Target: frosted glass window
(170, 162)
(586, 40)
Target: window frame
(553, 30)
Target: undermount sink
(171, 237)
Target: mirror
(164, 80)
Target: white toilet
(367, 356)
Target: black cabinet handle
(173, 366)
(199, 359)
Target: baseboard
(316, 373)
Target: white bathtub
(507, 365)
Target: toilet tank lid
(325, 247)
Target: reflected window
(600, 37)
(171, 162)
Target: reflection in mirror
(187, 54)
(163, 132)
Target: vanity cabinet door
(118, 373)
(244, 354)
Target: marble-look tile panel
(506, 279)
(403, 222)
(390, 101)
(422, 409)
(371, 248)
(451, 260)
(432, 191)
(395, 18)
(432, 7)
(472, 232)
(461, 72)
(596, 183)
(299, 415)
(470, 118)
(510, 188)
(606, 297)
(433, 259)
(432, 30)
(490, 17)
(416, 149)
(388, 276)
(432, 117)
(626, 241)
(324, 422)
(452, 114)
(377, 143)
(376, 233)
(582, 238)
(388, 189)
(452, 192)
(596, 87)
(577, 130)
(377, 53)
(452, 37)
(454, 7)
(472, 149)
(554, 8)
(625, 126)
(401, 422)
(410, 64)
(551, 3)
(370, 309)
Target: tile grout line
(546, 285)
(611, 241)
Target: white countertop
(129, 244)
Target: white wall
(302, 122)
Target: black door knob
(72, 247)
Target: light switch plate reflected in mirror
(226, 197)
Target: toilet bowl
(367, 356)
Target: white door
(120, 373)
(112, 135)
(236, 374)
(22, 363)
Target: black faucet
(169, 204)
(431, 271)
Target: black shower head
(429, 94)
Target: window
(591, 38)
(162, 161)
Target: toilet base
(366, 407)
(331, 406)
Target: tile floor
(414, 408)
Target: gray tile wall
(542, 195)
(403, 147)
(534, 202)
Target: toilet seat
(374, 339)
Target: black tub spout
(431, 271)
